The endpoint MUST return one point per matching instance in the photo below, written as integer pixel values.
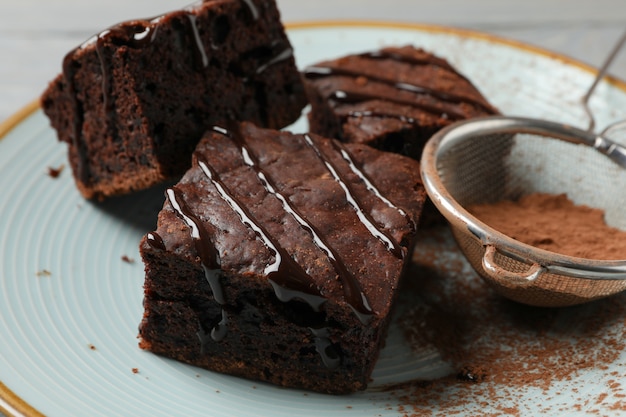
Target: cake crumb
(55, 172)
(470, 374)
(43, 273)
(128, 259)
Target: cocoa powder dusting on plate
(502, 353)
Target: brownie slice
(277, 257)
(133, 101)
(393, 99)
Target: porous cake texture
(393, 99)
(133, 101)
(277, 257)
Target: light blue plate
(70, 306)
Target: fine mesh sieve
(495, 158)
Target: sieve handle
(498, 273)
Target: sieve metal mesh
(484, 168)
(494, 158)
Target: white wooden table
(36, 34)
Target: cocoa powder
(508, 359)
(556, 224)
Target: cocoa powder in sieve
(555, 223)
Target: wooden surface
(36, 34)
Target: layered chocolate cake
(393, 99)
(277, 257)
(133, 101)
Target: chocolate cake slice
(133, 101)
(277, 257)
(393, 99)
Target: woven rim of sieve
(459, 217)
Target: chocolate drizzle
(289, 279)
(200, 235)
(368, 183)
(351, 97)
(389, 242)
(325, 348)
(257, 60)
(105, 63)
(282, 55)
(254, 11)
(284, 272)
(412, 60)
(447, 99)
(209, 258)
(216, 333)
(201, 55)
(219, 331)
(138, 34)
(353, 293)
(155, 241)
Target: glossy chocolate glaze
(351, 97)
(254, 11)
(368, 183)
(289, 280)
(209, 258)
(364, 217)
(200, 235)
(284, 271)
(447, 100)
(353, 293)
(155, 241)
(325, 348)
(216, 333)
(280, 53)
(412, 60)
(201, 57)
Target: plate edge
(16, 403)
(18, 117)
(455, 30)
